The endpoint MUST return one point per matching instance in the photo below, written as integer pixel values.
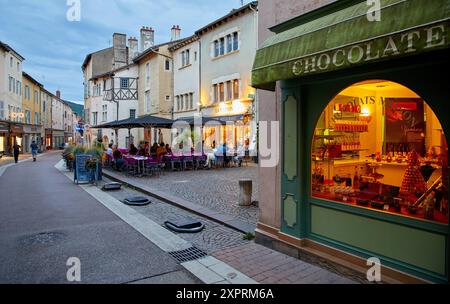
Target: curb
(205, 212)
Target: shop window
(380, 146)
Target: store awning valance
(147, 121)
(205, 120)
(347, 38)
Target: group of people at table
(162, 154)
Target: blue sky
(55, 48)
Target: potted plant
(69, 156)
(92, 165)
(97, 154)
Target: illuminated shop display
(378, 145)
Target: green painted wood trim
(416, 247)
(399, 265)
(290, 162)
(290, 138)
(324, 40)
(383, 216)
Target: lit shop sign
(403, 44)
(17, 115)
(347, 108)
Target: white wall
(229, 66)
(186, 79)
(57, 114)
(13, 99)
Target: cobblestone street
(262, 264)
(214, 189)
(213, 238)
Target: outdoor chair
(188, 160)
(152, 166)
(132, 166)
(200, 161)
(176, 161)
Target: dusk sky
(55, 48)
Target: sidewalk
(267, 266)
(259, 263)
(194, 192)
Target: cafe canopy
(321, 41)
(147, 121)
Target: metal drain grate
(186, 255)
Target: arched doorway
(379, 146)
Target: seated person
(168, 149)
(119, 162)
(161, 151)
(154, 149)
(133, 150)
(109, 151)
(142, 151)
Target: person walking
(34, 150)
(16, 152)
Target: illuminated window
(236, 89)
(221, 91)
(229, 90)
(379, 146)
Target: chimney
(147, 38)
(120, 50)
(132, 48)
(58, 94)
(175, 33)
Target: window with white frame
(27, 117)
(167, 98)
(36, 96)
(215, 93)
(11, 62)
(167, 65)
(94, 118)
(235, 41)
(185, 58)
(229, 43)
(10, 83)
(104, 113)
(18, 66)
(147, 73)
(221, 92)
(226, 44)
(147, 101)
(2, 109)
(18, 88)
(216, 48)
(236, 94)
(191, 101)
(229, 90)
(178, 102)
(36, 118)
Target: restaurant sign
(386, 47)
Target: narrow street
(50, 220)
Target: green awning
(347, 38)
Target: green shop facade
(316, 56)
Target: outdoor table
(141, 162)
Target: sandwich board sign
(82, 174)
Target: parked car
(63, 146)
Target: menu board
(82, 174)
